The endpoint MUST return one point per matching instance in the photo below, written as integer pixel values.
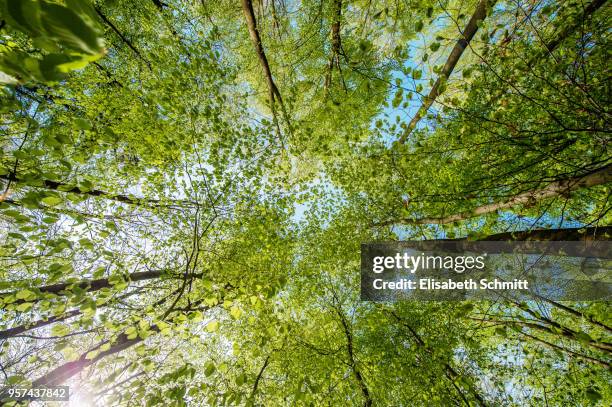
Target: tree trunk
(249, 15)
(552, 235)
(95, 285)
(350, 351)
(335, 44)
(63, 187)
(468, 33)
(565, 186)
(64, 372)
(18, 330)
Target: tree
(185, 186)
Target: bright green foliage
(66, 36)
(186, 239)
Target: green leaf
(67, 27)
(593, 394)
(465, 309)
(16, 379)
(241, 379)
(26, 295)
(131, 332)
(209, 369)
(51, 200)
(235, 312)
(26, 306)
(82, 123)
(60, 330)
(212, 326)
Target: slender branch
(123, 38)
(571, 352)
(576, 312)
(561, 331)
(258, 378)
(18, 330)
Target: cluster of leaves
(182, 207)
(66, 37)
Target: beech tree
(185, 186)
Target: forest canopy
(185, 186)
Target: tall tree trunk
(273, 92)
(451, 372)
(63, 187)
(95, 285)
(565, 186)
(64, 372)
(352, 362)
(335, 44)
(466, 36)
(550, 235)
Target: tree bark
(350, 351)
(64, 372)
(335, 44)
(123, 38)
(552, 235)
(63, 187)
(468, 33)
(11, 332)
(94, 285)
(249, 15)
(565, 186)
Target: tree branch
(123, 38)
(18, 330)
(258, 378)
(63, 187)
(273, 92)
(565, 186)
(335, 44)
(468, 33)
